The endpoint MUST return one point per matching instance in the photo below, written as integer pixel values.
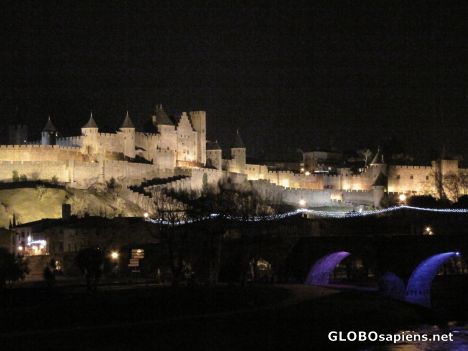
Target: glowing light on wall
(418, 290)
(322, 270)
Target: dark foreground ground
(222, 318)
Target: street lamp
(302, 202)
(402, 198)
(115, 255)
(146, 215)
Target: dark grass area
(39, 308)
(304, 325)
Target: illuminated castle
(177, 148)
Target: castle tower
(378, 165)
(379, 188)
(49, 133)
(166, 130)
(199, 124)
(238, 154)
(17, 132)
(161, 120)
(90, 136)
(214, 157)
(127, 130)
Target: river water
(459, 343)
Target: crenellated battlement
(108, 135)
(399, 167)
(39, 146)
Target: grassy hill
(31, 204)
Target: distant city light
(307, 173)
(20, 248)
(302, 202)
(428, 231)
(402, 197)
(146, 214)
(114, 255)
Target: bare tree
(366, 154)
(171, 214)
(451, 186)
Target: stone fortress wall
(40, 153)
(69, 165)
(178, 148)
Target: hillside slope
(31, 204)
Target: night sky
(302, 75)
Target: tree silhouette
(90, 262)
(12, 268)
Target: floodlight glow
(418, 290)
(322, 270)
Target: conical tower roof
(49, 127)
(213, 145)
(161, 116)
(91, 123)
(238, 143)
(127, 123)
(381, 180)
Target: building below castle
(176, 151)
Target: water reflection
(459, 343)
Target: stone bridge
(395, 259)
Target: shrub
(111, 184)
(15, 176)
(12, 267)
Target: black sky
(288, 75)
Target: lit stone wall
(36, 170)
(198, 119)
(186, 140)
(415, 179)
(463, 181)
(39, 153)
(75, 141)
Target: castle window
(427, 177)
(398, 176)
(411, 177)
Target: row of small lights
(360, 213)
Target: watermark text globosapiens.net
(372, 336)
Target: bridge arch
(418, 290)
(321, 271)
